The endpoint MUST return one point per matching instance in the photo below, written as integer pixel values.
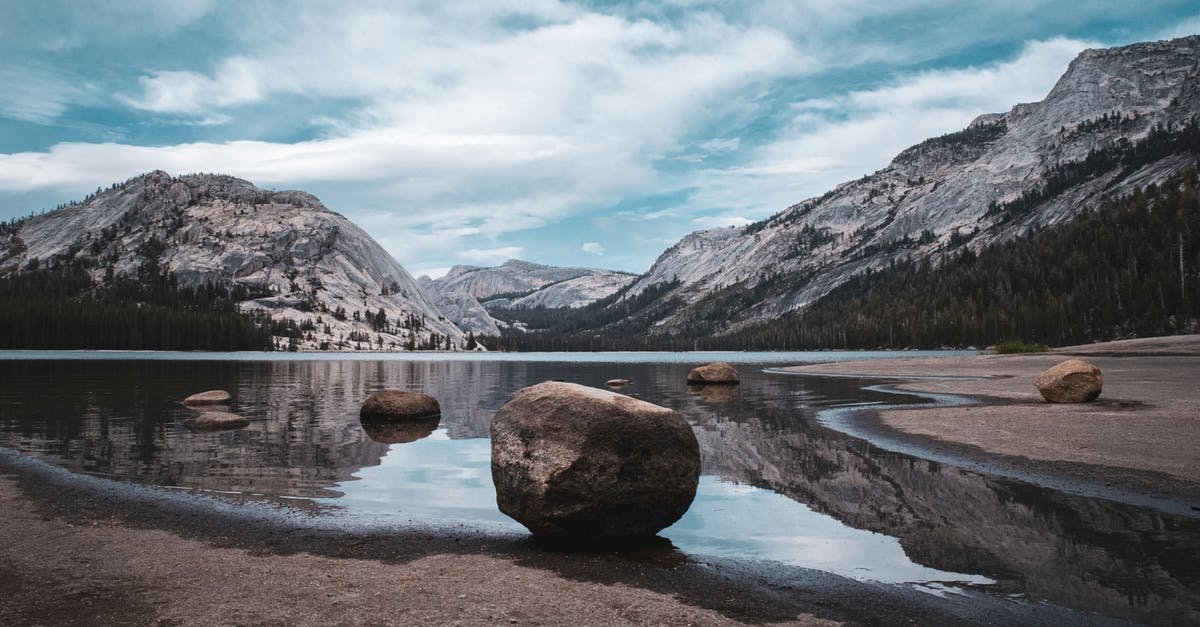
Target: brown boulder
(720, 373)
(218, 421)
(1072, 381)
(211, 397)
(400, 405)
(577, 463)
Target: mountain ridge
(943, 193)
(321, 279)
(468, 294)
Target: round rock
(577, 463)
(720, 373)
(400, 405)
(211, 397)
(1072, 381)
(218, 421)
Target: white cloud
(492, 256)
(594, 248)
(236, 82)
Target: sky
(568, 133)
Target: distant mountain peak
(462, 292)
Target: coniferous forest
(60, 307)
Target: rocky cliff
(307, 265)
(1104, 129)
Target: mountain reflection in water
(122, 419)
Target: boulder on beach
(1072, 381)
(218, 421)
(720, 373)
(211, 397)
(399, 432)
(618, 383)
(400, 405)
(574, 463)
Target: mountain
(467, 294)
(1117, 121)
(315, 278)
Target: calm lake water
(777, 485)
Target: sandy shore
(1147, 421)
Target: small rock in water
(1072, 381)
(720, 373)
(211, 397)
(574, 463)
(400, 405)
(218, 421)
(618, 383)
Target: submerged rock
(618, 383)
(400, 405)
(720, 373)
(1072, 381)
(218, 421)
(577, 463)
(211, 397)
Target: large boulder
(400, 405)
(1072, 381)
(577, 463)
(211, 397)
(720, 373)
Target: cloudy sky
(569, 133)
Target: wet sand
(1143, 431)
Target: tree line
(59, 306)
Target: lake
(777, 486)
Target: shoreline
(1137, 443)
(79, 551)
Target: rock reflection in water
(713, 393)
(400, 432)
